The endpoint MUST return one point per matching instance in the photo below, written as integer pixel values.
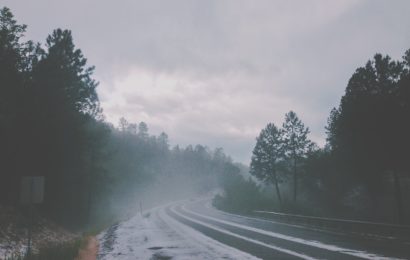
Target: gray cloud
(215, 72)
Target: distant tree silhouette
(123, 124)
(66, 106)
(16, 61)
(266, 157)
(62, 73)
(296, 144)
(163, 140)
(332, 128)
(51, 124)
(132, 128)
(143, 130)
(370, 129)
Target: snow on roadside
(158, 236)
(11, 249)
(13, 233)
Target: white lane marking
(366, 236)
(275, 222)
(356, 253)
(208, 244)
(208, 205)
(283, 250)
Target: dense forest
(362, 172)
(52, 125)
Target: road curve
(267, 239)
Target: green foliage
(278, 150)
(62, 74)
(366, 151)
(240, 195)
(52, 125)
(64, 251)
(295, 137)
(296, 145)
(371, 124)
(267, 156)
(16, 58)
(369, 132)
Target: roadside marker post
(32, 192)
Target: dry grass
(89, 251)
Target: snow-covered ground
(11, 249)
(13, 233)
(155, 235)
(165, 233)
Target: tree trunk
(277, 190)
(295, 181)
(89, 206)
(398, 195)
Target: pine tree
(296, 144)
(266, 157)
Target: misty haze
(189, 129)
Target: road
(267, 239)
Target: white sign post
(32, 192)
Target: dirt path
(90, 251)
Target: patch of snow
(208, 244)
(12, 249)
(13, 233)
(283, 250)
(158, 236)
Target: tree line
(279, 151)
(363, 168)
(52, 125)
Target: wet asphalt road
(268, 239)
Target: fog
(214, 63)
(220, 135)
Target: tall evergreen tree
(266, 157)
(67, 103)
(296, 144)
(17, 58)
(143, 130)
(63, 74)
(11, 84)
(370, 129)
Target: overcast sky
(216, 72)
